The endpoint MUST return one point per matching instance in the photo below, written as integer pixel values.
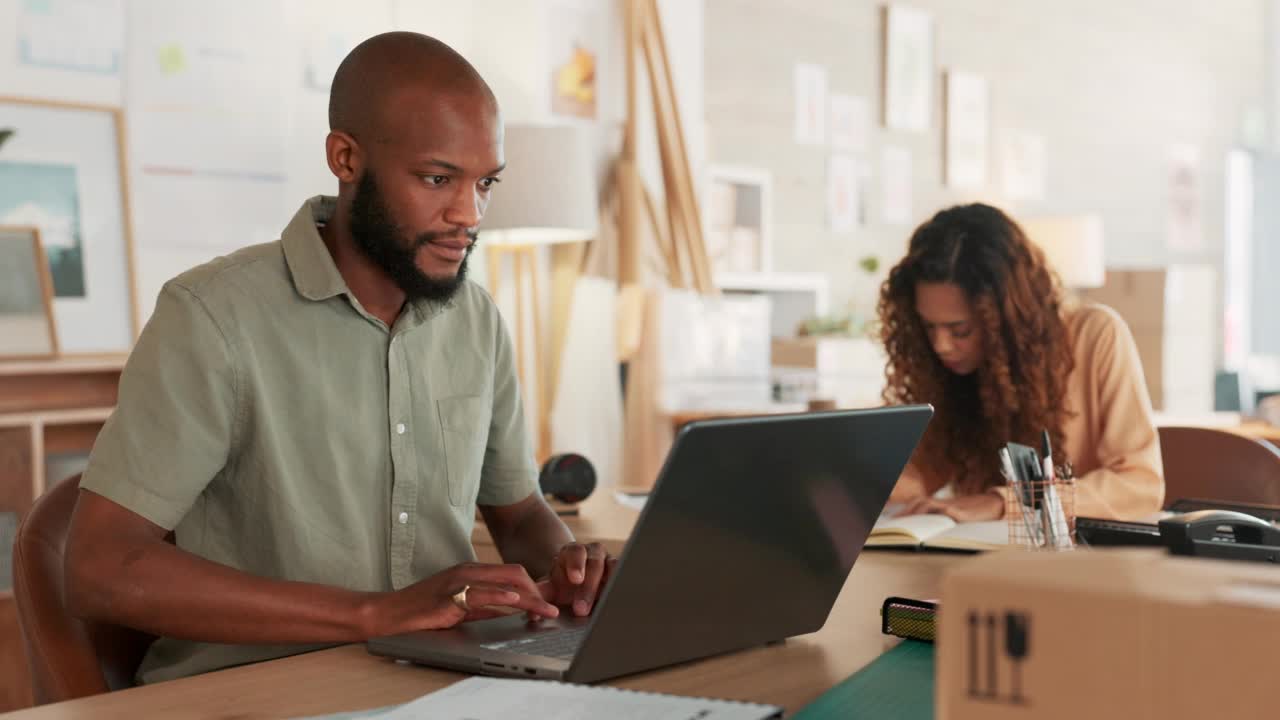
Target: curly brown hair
(1019, 388)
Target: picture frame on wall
(908, 68)
(27, 327)
(739, 219)
(966, 106)
(574, 36)
(62, 171)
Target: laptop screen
(748, 536)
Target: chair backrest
(1210, 464)
(68, 657)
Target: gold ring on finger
(460, 599)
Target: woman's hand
(966, 508)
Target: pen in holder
(1040, 504)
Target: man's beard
(378, 236)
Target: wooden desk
(348, 678)
(1257, 430)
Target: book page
(483, 698)
(972, 536)
(909, 530)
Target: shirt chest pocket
(464, 424)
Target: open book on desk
(938, 532)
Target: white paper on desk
(481, 698)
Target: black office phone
(1223, 534)
(1270, 513)
(1214, 533)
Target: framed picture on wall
(574, 38)
(62, 171)
(1023, 168)
(965, 148)
(27, 326)
(908, 68)
(739, 217)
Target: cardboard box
(849, 371)
(1139, 297)
(1096, 634)
(794, 352)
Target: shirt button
(404, 518)
(399, 428)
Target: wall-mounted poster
(573, 39)
(1022, 165)
(810, 104)
(78, 35)
(967, 102)
(61, 171)
(849, 122)
(201, 138)
(844, 201)
(738, 220)
(1183, 228)
(908, 68)
(895, 185)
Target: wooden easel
(630, 212)
(679, 238)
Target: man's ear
(345, 158)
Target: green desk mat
(898, 684)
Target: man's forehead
(455, 129)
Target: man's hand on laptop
(470, 591)
(578, 573)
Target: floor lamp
(1074, 246)
(547, 195)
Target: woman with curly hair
(973, 321)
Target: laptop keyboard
(560, 644)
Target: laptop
(746, 540)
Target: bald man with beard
(306, 428)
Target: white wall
(505, 39)
(1110, 84)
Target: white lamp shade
(548, 190)
(1074, 246)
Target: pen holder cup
(1041, 516)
